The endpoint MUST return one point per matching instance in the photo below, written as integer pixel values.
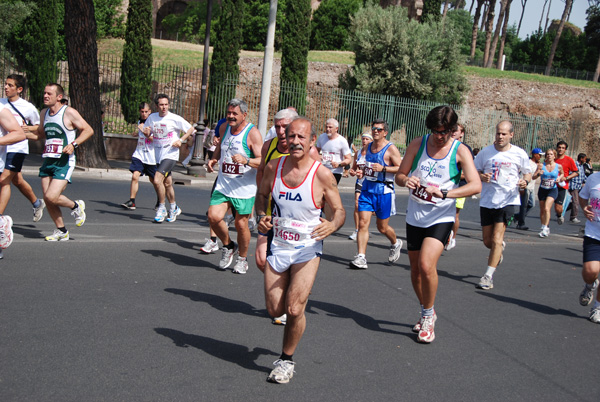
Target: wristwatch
(444, 194)
(75, 145)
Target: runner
(359, 164)
(298, 186)
(550, 173)
(431, 169)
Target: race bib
(328, 157)
(547, 183)
(369, 173)
(53, 148)
(233, 169)
(421, 196)
(291, 233)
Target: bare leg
(243, 234)
(54, 199)
(216, 213)
(24, 187)
(493, 235)
(135, 183)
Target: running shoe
(575, 220)
(57, 235)
(209, 247)
(283, 371)
(451, 243)
(79, 213)
(359, 262)
(281, 320)
(252, 224)
(227, 256)
(417, 327)
(129, 205)
(39, 211)
(353, 235)
(6, 232)
(587, 294)
(486, 283)
(1, 254)
(560, 220)
(173, 214)
(426, 334)
(595, 315)
(229, 219)
(161, 214)
(241, 266)
(522, 227)
(395, 251)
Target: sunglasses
(378, 129)
(442, 132)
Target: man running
(570, 171)
(238, 155)
(165, 127)
(143, 160)
(10, 133)
(59, 126)
(335, 152)
(431, 169)
(28, 118)
(499, 166)
(377, 194)
(298, 186)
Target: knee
(241, 223)
(214, 217)
(295, 310)
(382, 226)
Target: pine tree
(294, 55)
(136, 67)
(432, 9)
(34, 44)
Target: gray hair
(287, 114)
(235, 102)
(313, 131)
(333, 121)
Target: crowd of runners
(286, 186)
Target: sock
(132, 200)
(361, 255)
(173, 206)
(75, 207)
(596, 304)
(213, 239)
(427, 311)
(286, 357)
(240, 258)
(490, 271)
(422, 310)
(37, 203)
(161, 206)
(63, 229)
(229, 246)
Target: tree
(542, 17)
(592, 32)
(84, 82)
(330, 23)
(492, 49)
(462, 22)
(557, 38)
(523, 4)
(475, 29)
(294, 54)
(489, 27)
(396, 56)
(136, 67)
(225, 57)
(18, 11)
(256, 24)
(35, 45)
(504, 33)
(109, 19)
(431, 9)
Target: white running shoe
(426, 334)
(57, 235)
(486, 283)
(417, 327)
(281, 320)
(595, 315)
(227, 256)
(241, 266)
(560, 220)
(395, 251)
(79, 213)
(6, 232)
(161, 214)
(359, 262)
(451, 243)
(173, 214)
(353, 235)
(283, 371)
(209, 247)
(39, 211)
(229, 219)
(252, 224)
(587, 294)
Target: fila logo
(289, 196)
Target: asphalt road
(129, 310)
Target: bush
(330, 24)
(109, 21)
(191, 25)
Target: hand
(352, 172)
(264, 225)
(324, 229)
(413, 182)
(486, 177)
(239, 159)
(377, 167)
(69, 149)
(176, 144)
(147, 131)
(335, 164)
(210, 164)
(588, 213)
(522, 184)
(434, 191)
(360, 173)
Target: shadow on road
(28, 231)
(540, 308)
(231, 352)
(181, 260)
(221, 303)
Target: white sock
(173, 206)
(428, 311)
(490, 271)
(361, 255)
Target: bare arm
(261, 167)
(473, 186)
(255, 144)
(327, 182)
(14, 131)
(262, 197)
(402, 178)
(39, 133)
(73, 118)
(394, 159)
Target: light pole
(197, 163)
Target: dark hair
(59, 88)
(161, 96)
(581, 155)
(20, 81)
(443, 116)
(144, 105)
(381, 121)
(561, 142)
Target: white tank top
(423, 210)
(295, 213)
(58, 135)
(236, 180)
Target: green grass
(515, 75)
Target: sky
(533, 13)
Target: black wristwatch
(444, 194)
(75, 145)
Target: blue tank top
(548, 179)
(377, 182)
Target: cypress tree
(35, 44)
(294, 55)
(226, 53)
(136, 67)
(432, 9)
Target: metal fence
(354, 110)
(533, 69)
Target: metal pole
(265, 91)
(197, 163)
